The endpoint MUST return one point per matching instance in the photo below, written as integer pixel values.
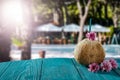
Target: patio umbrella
(48, 28)
(71, 28)
(97, 28)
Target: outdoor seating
(48, 41)
(64, 41)
(43, 41)
(57, 41)
(69, 41)
(38, 40)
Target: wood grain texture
(20, 70)
(53, 69)
(59, 69)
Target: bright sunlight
(12, 11)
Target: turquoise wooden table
(52, 69)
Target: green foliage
(103, 12)
(42, 9)
(111, 30)
(96, 9)
(73, 10)
(17, 42)
(109, 12)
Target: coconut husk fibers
(88, 51)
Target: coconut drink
(89, 50)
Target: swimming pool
(67, 50)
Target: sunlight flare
(12, 11)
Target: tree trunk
(5, 44)
(5, 41)
(106, 10)
(115, 17)
(55, 17)
(66, 13)
(28, 18)
(82, 16)
(115, 20)
(80, 36)
(5, 36)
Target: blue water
(63, 51)
(109, 49)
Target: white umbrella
(97, 28)
(49, 28)
(71, 28)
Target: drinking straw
(90, 24)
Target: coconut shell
(88, 51)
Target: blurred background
(31, 29)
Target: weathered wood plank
(21, 70)
(53, 69)
(59, 69)
(87, 75)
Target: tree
(5, 43)
(115, 9)
(83, 12)
(29, 21)
(7, 26)
(5, 35)
(49, 8)
(42, 11)
(116, 14)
